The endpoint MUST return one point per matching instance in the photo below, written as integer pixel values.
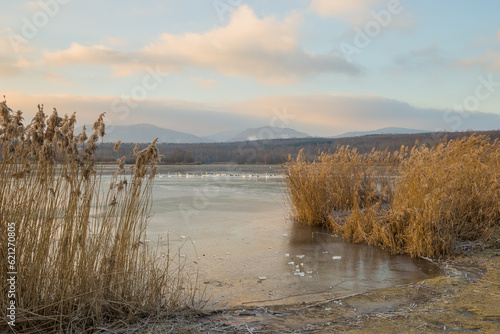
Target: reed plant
(335, 184)
(448, 196)
(432, 201)
(82, 259)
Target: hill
(384, 131)
(267, 133)
(146, 133)
(278, 151)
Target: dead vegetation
(465, 298)
(421, 201)
(82, 260)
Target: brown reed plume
(81, 256)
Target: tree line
(278, 151)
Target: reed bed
(82, 259)
(421, 201)
(336, 183)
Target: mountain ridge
(382, 131)
(267, 133)
(145, 133)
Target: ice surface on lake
(214, 211)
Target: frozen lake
(233, 222)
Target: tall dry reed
(81, 256)
(338, 183)
(431, 203)
(448, 195)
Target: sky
(323, 67)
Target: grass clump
(431, 203)
(81, 256)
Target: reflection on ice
(245, 219)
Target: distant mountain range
(222, 137)
(268, 132)
(145, 133)
(384, 131)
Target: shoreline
(465, 297)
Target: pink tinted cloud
(321, 114)
(266, 49)
(203, 83)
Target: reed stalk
(82, 260)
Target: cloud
(420, 58)
(79, 54)
(113, 41)
(8, 66)
(122, 63)
(365, 13)
(330, 115)
(11, 63)
(55, 78)
(320, 115)
(203, 83)
(32, 5)
(195, 118)
(342, 8)
(266, 49)
(489, 61)
(358, 11)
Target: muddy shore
(465, 298)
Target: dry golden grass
(81, 255)
(432, 202)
